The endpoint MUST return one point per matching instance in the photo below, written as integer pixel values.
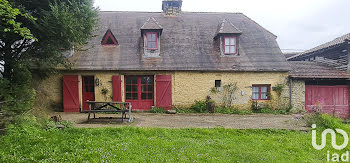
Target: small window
(88, 84)
(217, 83)
(109, 39)
(260, 92)
(152, 40)
(230, 45)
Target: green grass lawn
(129, 144)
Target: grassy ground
(129, 144)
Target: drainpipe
(290, 91)
(348, 54)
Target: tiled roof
(314, 70)
(290, 54)
(329, 44)
(186, 44)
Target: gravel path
(254, 121)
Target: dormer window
(109, 39)
(152, 41)
(228, 36)
(151, 33)
(230, 45)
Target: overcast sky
(299, 24)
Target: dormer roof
(151, 24)
(227, 28)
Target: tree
(60, 25)
(8, 22)
(34, 34)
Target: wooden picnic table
(98, 107)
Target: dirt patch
(254, 121)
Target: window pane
(134, 88)
(217, 83)
(227, 49)
(153, 45)
(150, 80)
(134, 96)
(86, 81)
(134, 80)
(264, 92)
(143, 80)
(255, 89)
(150, 96)
(128, 96)
(255, 95)
(128, 81)
(227, 41)
(149, 37)
(264, 89)
(128, 88)
(92, 88)
(144, 96)
(86, 88)
(263, 96)
(143, 88)
(232, 49)
(232, 41)
(150, 88)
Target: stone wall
(298, 95)
(191, 86)
(186, 86)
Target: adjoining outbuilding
(320, 78)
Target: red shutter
(117, 91)
(70, 93)
(163, 90)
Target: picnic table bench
(110, 107)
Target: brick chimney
(172, 7)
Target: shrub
(271, 111)
(232, 110)
(52, 125)
(267, 109)
(199, 107)
(158, 110)
(324, 121)
(255, 108)
(25, 124)
(16, 95)
(184, 110)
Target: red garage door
(331, 99)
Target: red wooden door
(70, 93)
(88, 90)
(139, 91)
(331, 99)
(163, 91)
